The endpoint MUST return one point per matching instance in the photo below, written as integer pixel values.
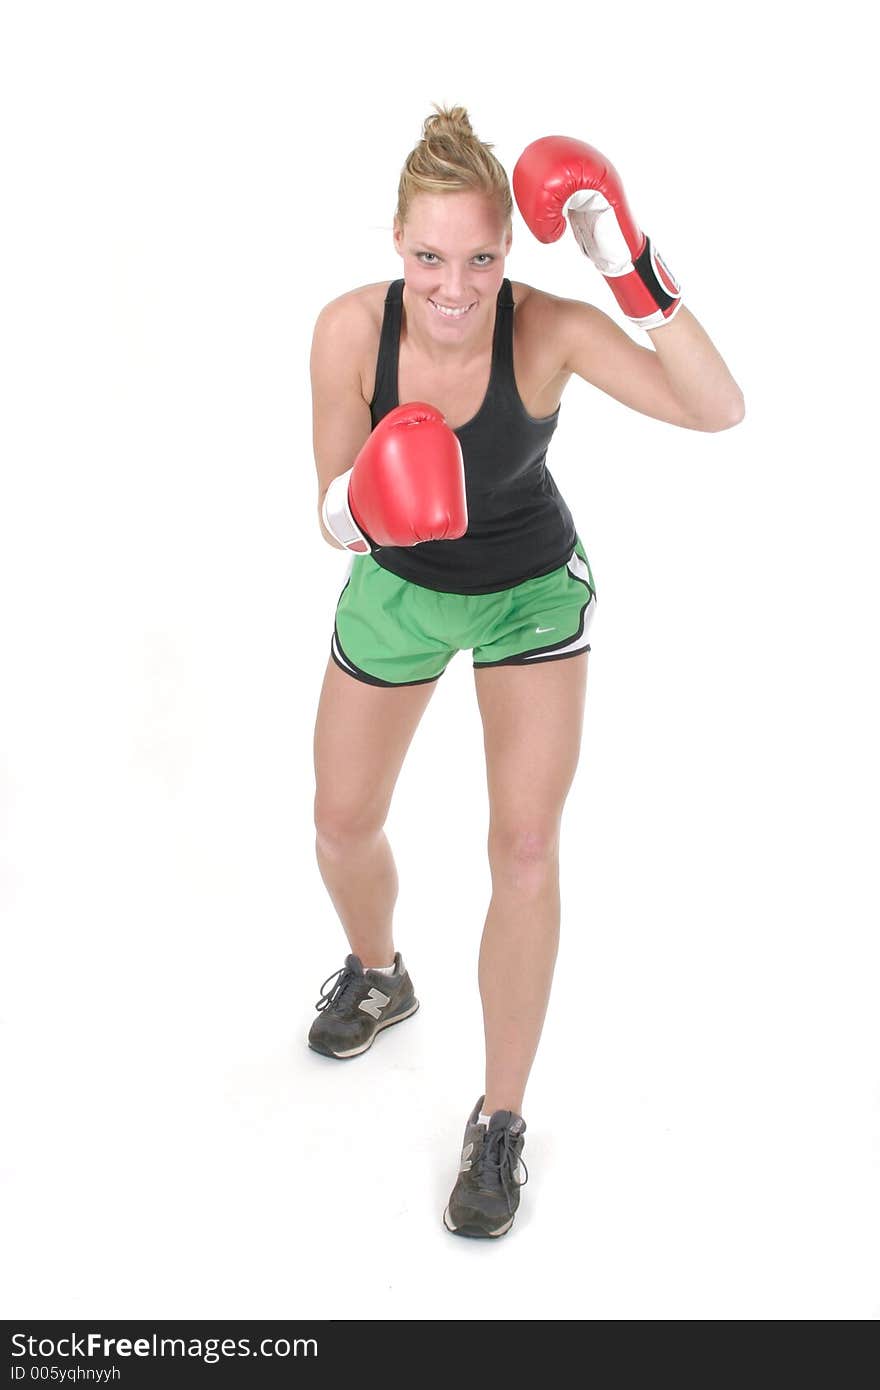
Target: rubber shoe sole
(364, 1047)
(476, 1232)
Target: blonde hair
(449, 158)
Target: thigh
(532, 725)
(362, 733)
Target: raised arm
(684, 381)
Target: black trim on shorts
(531, 659)
(357, 674)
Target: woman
(503, 574)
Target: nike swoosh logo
(545, 629)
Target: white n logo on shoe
(375, 1002)
(466, 1158)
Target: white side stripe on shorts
(577, 567)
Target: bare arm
(697, 373)
(684, 381)
(341, 422)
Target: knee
(526, 849)
(340, 825)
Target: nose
(454, 287)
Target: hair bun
(448, 118)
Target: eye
(485, 257)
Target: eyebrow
(423, 245)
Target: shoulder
(535, 304)
(358, 310)
(348, 328)
(540, 314)
(565, 323)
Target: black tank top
(519, 527)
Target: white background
(185, 186)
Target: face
(453, 247)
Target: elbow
(734, 416)
(738, 413)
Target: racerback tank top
(519, 526)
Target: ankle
(500, 1102)
(371, 956)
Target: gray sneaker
(485, 1198)
(359, 1005)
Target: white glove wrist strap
(338, 518)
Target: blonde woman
(435, 399)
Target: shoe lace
(333, 997)
(498, 1160)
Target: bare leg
(362, 733)
(532, 723)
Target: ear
(397, 234)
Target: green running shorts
(390, 631)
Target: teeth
(451, 313)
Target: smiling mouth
(447, 313)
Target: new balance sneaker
(485, 1198)
(359, 1004)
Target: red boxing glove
(557, 175)
(406, 486)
